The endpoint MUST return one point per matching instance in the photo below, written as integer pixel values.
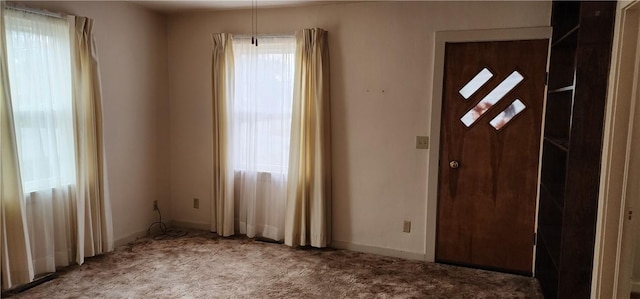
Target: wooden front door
(490, 140)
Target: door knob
(454, 164)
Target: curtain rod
(248, 36)
(35, 11)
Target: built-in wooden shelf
(571, 151)
(561, 143)
(566, 35)
(550, 237)
(557, 203)
(561, 89)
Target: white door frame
(612, 251)
(441, 38)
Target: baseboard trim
(378, 250)
(635, 286)
(130, 238)
(189, 224)
(335, 244)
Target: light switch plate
(422, 142)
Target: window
(262, 103)
(39, 65)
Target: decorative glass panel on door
(492, 98)
(474, 84)
(507, 114)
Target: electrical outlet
(407, 226)
(155, 205)
(422, 142)
(196, 203)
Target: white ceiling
(173, 6)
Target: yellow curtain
(15, 252)
(222, 74)
(309, 179)
(94, 223)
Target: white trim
(171, 223)
(130, 238)
(611, 205)
(378, 250)
(441, 38)
(188, 224)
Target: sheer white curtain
(260, 132)
(43, 120)
(15, 254)
(51, 101)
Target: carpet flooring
(203, 265)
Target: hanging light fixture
(254, 22)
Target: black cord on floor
(165, 232)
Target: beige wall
(380, 178)
(132, 51)
(381, 83)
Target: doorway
(617, 253)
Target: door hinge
(546, 78)
(535, 239)
(630, 214)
